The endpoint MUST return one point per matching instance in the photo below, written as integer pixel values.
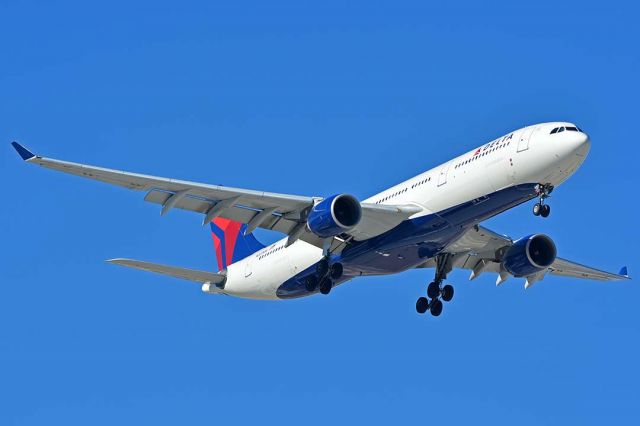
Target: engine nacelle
(529, 255)
(334, 215)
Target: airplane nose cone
(581, 143)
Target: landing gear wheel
(546, 210)
(436, 307)
(322, 268)
(433, 290)
(537, 209)
(422, 305)
(311, 283)
(325, 286)
(447, 293)
(336, 271)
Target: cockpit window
(568, 128)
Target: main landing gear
(544, 192)
(324, 277)
(436, 291)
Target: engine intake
(334, 215)
(529, 255)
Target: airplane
(431, 220)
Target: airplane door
(525, 136)
(247, 267)
(444, 171)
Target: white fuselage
(528, 155)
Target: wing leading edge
(278, 212)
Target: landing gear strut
(435, 291)
(544, 192)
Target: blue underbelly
(415, 240)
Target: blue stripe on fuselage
(410, 243)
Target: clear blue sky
(310, 98)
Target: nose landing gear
(544, 192)
(435, 291)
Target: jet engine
(334, 215)
(529, 255)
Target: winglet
(24, 152)
(624, 271)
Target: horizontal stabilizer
(172, 271)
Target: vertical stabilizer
(230, 242)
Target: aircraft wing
(571, 269)
(258, 209)
(481, 250)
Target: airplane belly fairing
(413, 241)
